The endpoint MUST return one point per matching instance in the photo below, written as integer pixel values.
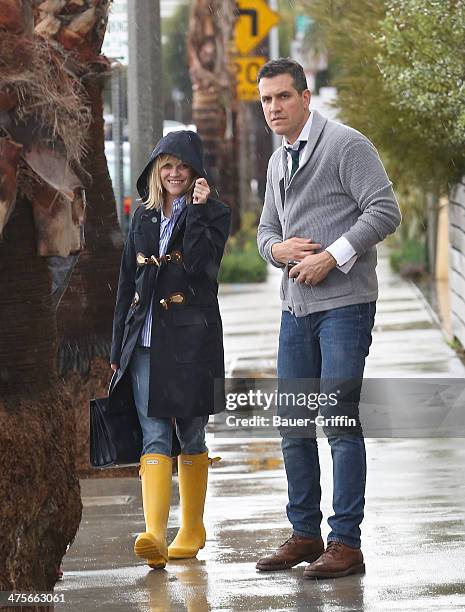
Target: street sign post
(255, 21)
(246, 77)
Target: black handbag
(115, 432)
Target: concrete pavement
(407, 340)
(413, 533)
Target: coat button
(154, 219)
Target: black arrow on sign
(252, 13)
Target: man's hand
(313, 269)
(114, 366)
(293, 248)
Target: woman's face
(176, 177)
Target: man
(328, 202)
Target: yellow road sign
(255, 21)
(246, 76)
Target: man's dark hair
(285, 65)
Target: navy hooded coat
(186, 352)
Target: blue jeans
(158, 431)
(328, 345)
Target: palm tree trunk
(40, 508)
(213, 94)
(85, 313)
(40, 505)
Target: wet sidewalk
(407, 340)
(413, 534)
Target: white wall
(457, 259)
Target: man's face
(285, 109)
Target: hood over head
(183, 144)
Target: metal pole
(145, 96)
(117, 133)
(274, 54)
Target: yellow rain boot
(193, 475)
(155, 473)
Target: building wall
(457, 259)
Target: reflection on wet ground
(413, 538)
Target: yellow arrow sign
(255, 21)
(246, 76)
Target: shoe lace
(333, 547)
(290, 540)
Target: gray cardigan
(340, 189)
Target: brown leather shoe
(294, 550)
(338, 560)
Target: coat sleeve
(126, 288)
(364, 178)
(269, 229)
(207, 230)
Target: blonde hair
(156, 191)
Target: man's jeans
(158, 431)
(331, 344)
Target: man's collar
(303, 136)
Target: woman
(167, 336)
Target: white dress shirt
(341, 249)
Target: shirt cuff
(276, 263)
(344, 254)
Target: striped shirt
(166, 228)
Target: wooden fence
(457, 259)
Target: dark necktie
(294, 153)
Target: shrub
(243, 268)
(410, 258)
(242, 262)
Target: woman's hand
(114, 366)
(201, 191)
